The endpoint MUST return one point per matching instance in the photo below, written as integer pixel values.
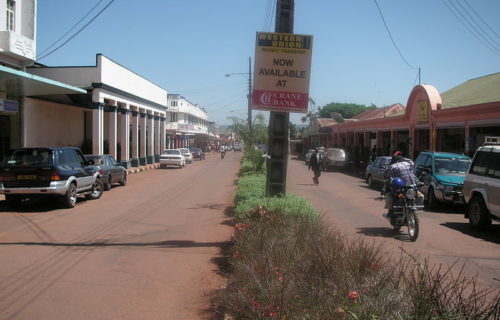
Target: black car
(111, 171)
(62, 172)
(375, 171)
(197, 153)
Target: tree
(346, 110)
(294, 132)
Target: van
(334, 158)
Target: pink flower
(353, 296)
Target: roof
(473, 92)
(380, 112)
(325, 122)
(447, 154)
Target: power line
(392, 39)
(81, 29)
(493, 41)
(482, 20)
(470, 27)
(71, 29)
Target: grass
(286, 263)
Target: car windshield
(28, 157)
(451, 165)
(176, 152)
(185, 150)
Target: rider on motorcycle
(400, 174)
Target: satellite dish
(337, 117)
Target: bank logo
(265, 98)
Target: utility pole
(279, 121)
(250, 95)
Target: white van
(334, 158)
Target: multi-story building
(105, 108)
(17, 51)
(187, 123)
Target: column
(113, 123)
(125, 137)
(150, 139)
(142, 140)
(163, 145)
(97, 128)
(157, 139)
(135, 139)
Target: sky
(188, 46)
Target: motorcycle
(407, 203)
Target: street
(149, 250)
(143, 251)
(445, 237)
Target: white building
(104, 108)
(187, 123)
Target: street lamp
(249, 91)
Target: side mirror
(90, 162)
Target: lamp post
(249, 96)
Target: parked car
(111, 171)
(187, 154)
(197, 153)
(375, 171)
(442, 175)
(172, 157)
(334, 158)
(40, 172)
(482, 185)
(238, 146)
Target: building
(101, 108)
(17, 87)
(187, 123)
(454, 121)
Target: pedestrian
(315, 165)
(373, 154)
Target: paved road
(143, 251)
(445, 237)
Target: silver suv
(482, 185)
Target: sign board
(423, 111)
(9, 106)
(282, 72)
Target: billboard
(282, 72)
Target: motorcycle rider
(403, 169)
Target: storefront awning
(19, 83)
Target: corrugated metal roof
(473, 92)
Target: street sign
(282, 72)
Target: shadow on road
(384, 232)
(491, 235)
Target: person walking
(315, 165)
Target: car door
(85, 173)
(492, 184)
(113, 167)
(381, 167)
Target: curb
(142, 168)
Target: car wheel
(479, 217)
(431, 199)
(97, 190)
(13, 201)
(123, 181)
(69, 199)
(107, 184)
(369, 181)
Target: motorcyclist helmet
(397, 183)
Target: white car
(187, 154)
(172, 157)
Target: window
(480, 163)
(11, 14)
(494, 169)
(173, 117)
(173, 103)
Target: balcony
(17, 46)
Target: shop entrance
(4, 135)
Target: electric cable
(486, 44)
(482, 20)
(392, 39)
(71, 29)
(493, 41)
(81, 29)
